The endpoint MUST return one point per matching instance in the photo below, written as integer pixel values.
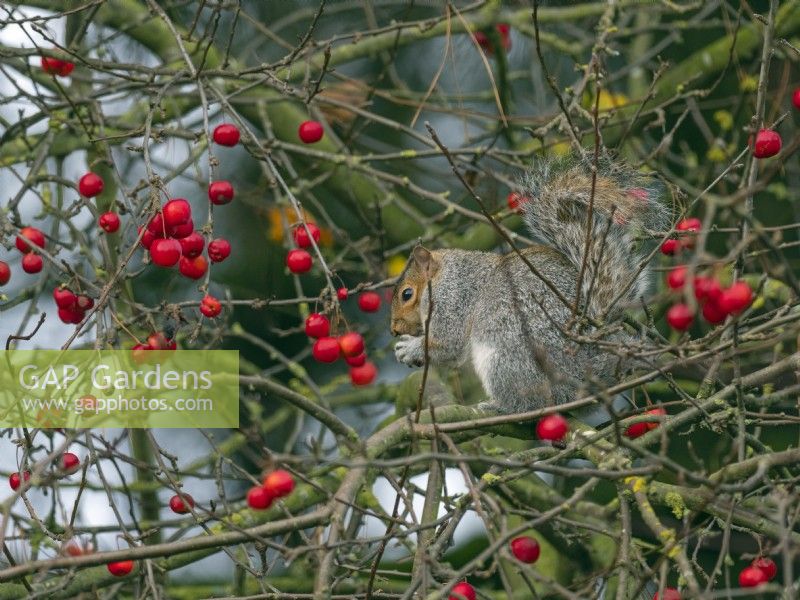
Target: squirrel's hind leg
(509, 390)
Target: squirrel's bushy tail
(625, 202)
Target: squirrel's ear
(425, 261)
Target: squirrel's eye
(407, 294)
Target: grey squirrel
(492, 310)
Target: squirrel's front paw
(409, 350)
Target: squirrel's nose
(393, 329)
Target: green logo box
(80, 389)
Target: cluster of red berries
(638, 429)
(503, 30)
(68, 464)
(56, 66)
(350, 345)
(760, 571)
(298, 259)
(552, 428)
(277, 484)
(31, 261)
(72, 307)
(687, 232)
(155, 341)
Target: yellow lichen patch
(636, 484)
(675, 501)
(490, 478)
(610, 100)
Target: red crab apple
(341, 294)
(676, 278)
(193, 268)
(226, 134)
(356, 361)
(192, 245)
(525, 549)
(159, 341)
(669, 594)
(71, 315)
(796, 98)
(310, 132)
(301, 235)
(181, 506)
(767, 565)
(78, 547)
(369, 301)
(176, 212)
(210, 307)
(83, 302)
(15, 479)
(32, 263)
(462, 591)
(317, 325)
(120, 568)
(258, 498)
(298, 261)
(680, 317)
(279, 483)
(636, 430)
(165, 252)
(181, 231)
(713, 314)
(220, 192)
(90, 185)
(219, 250)
(363, 375)
(70, 462)
(552, 427)
(736, 298)
(64, 297)
(752, 577)
(515, 200)
(34, 235)
(670, 247)
(351, 343)
(768, 143)
(5, 272)
(707, 289)
(56, 66)
(109, 222)
(326, 349)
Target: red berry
(109, 222)
(34, 235)
(752, 577)
(326, 349)
(120, 568)
(156, 226)
(462, 591)
(317, 325)
(279, 483)
(796, 98)
(258, 498)
(679, 317)
(363, 375)
(165, 252)
(670, 247)
(669, 594)
(676, 278)
(220, 192)
(148, 237)
(552, 427)
(181, 231)
(690, 225)
(210, 307)
(64, 298)
(768, 143)
(636, 430)
(77, 547)
(56, 66)
(713, 314)
(219, 249)
(32, 263)
(181, 506)
(226, 134)
(5, 272)
(192, 245)
(357, 360)
(15, 480)
(71, 315)
(70, 462)
(525, 549)
(301, 235)
(310, 132)
(707, 289)
(298, 261)
(351, 343)
(369, 301)
(767, 565)
(657, 412)
(159, 341)
(90, 185)
(341, 294)
(83, 302)
(736, 298)
(193, 268)
(515, 199)
(176, 212)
